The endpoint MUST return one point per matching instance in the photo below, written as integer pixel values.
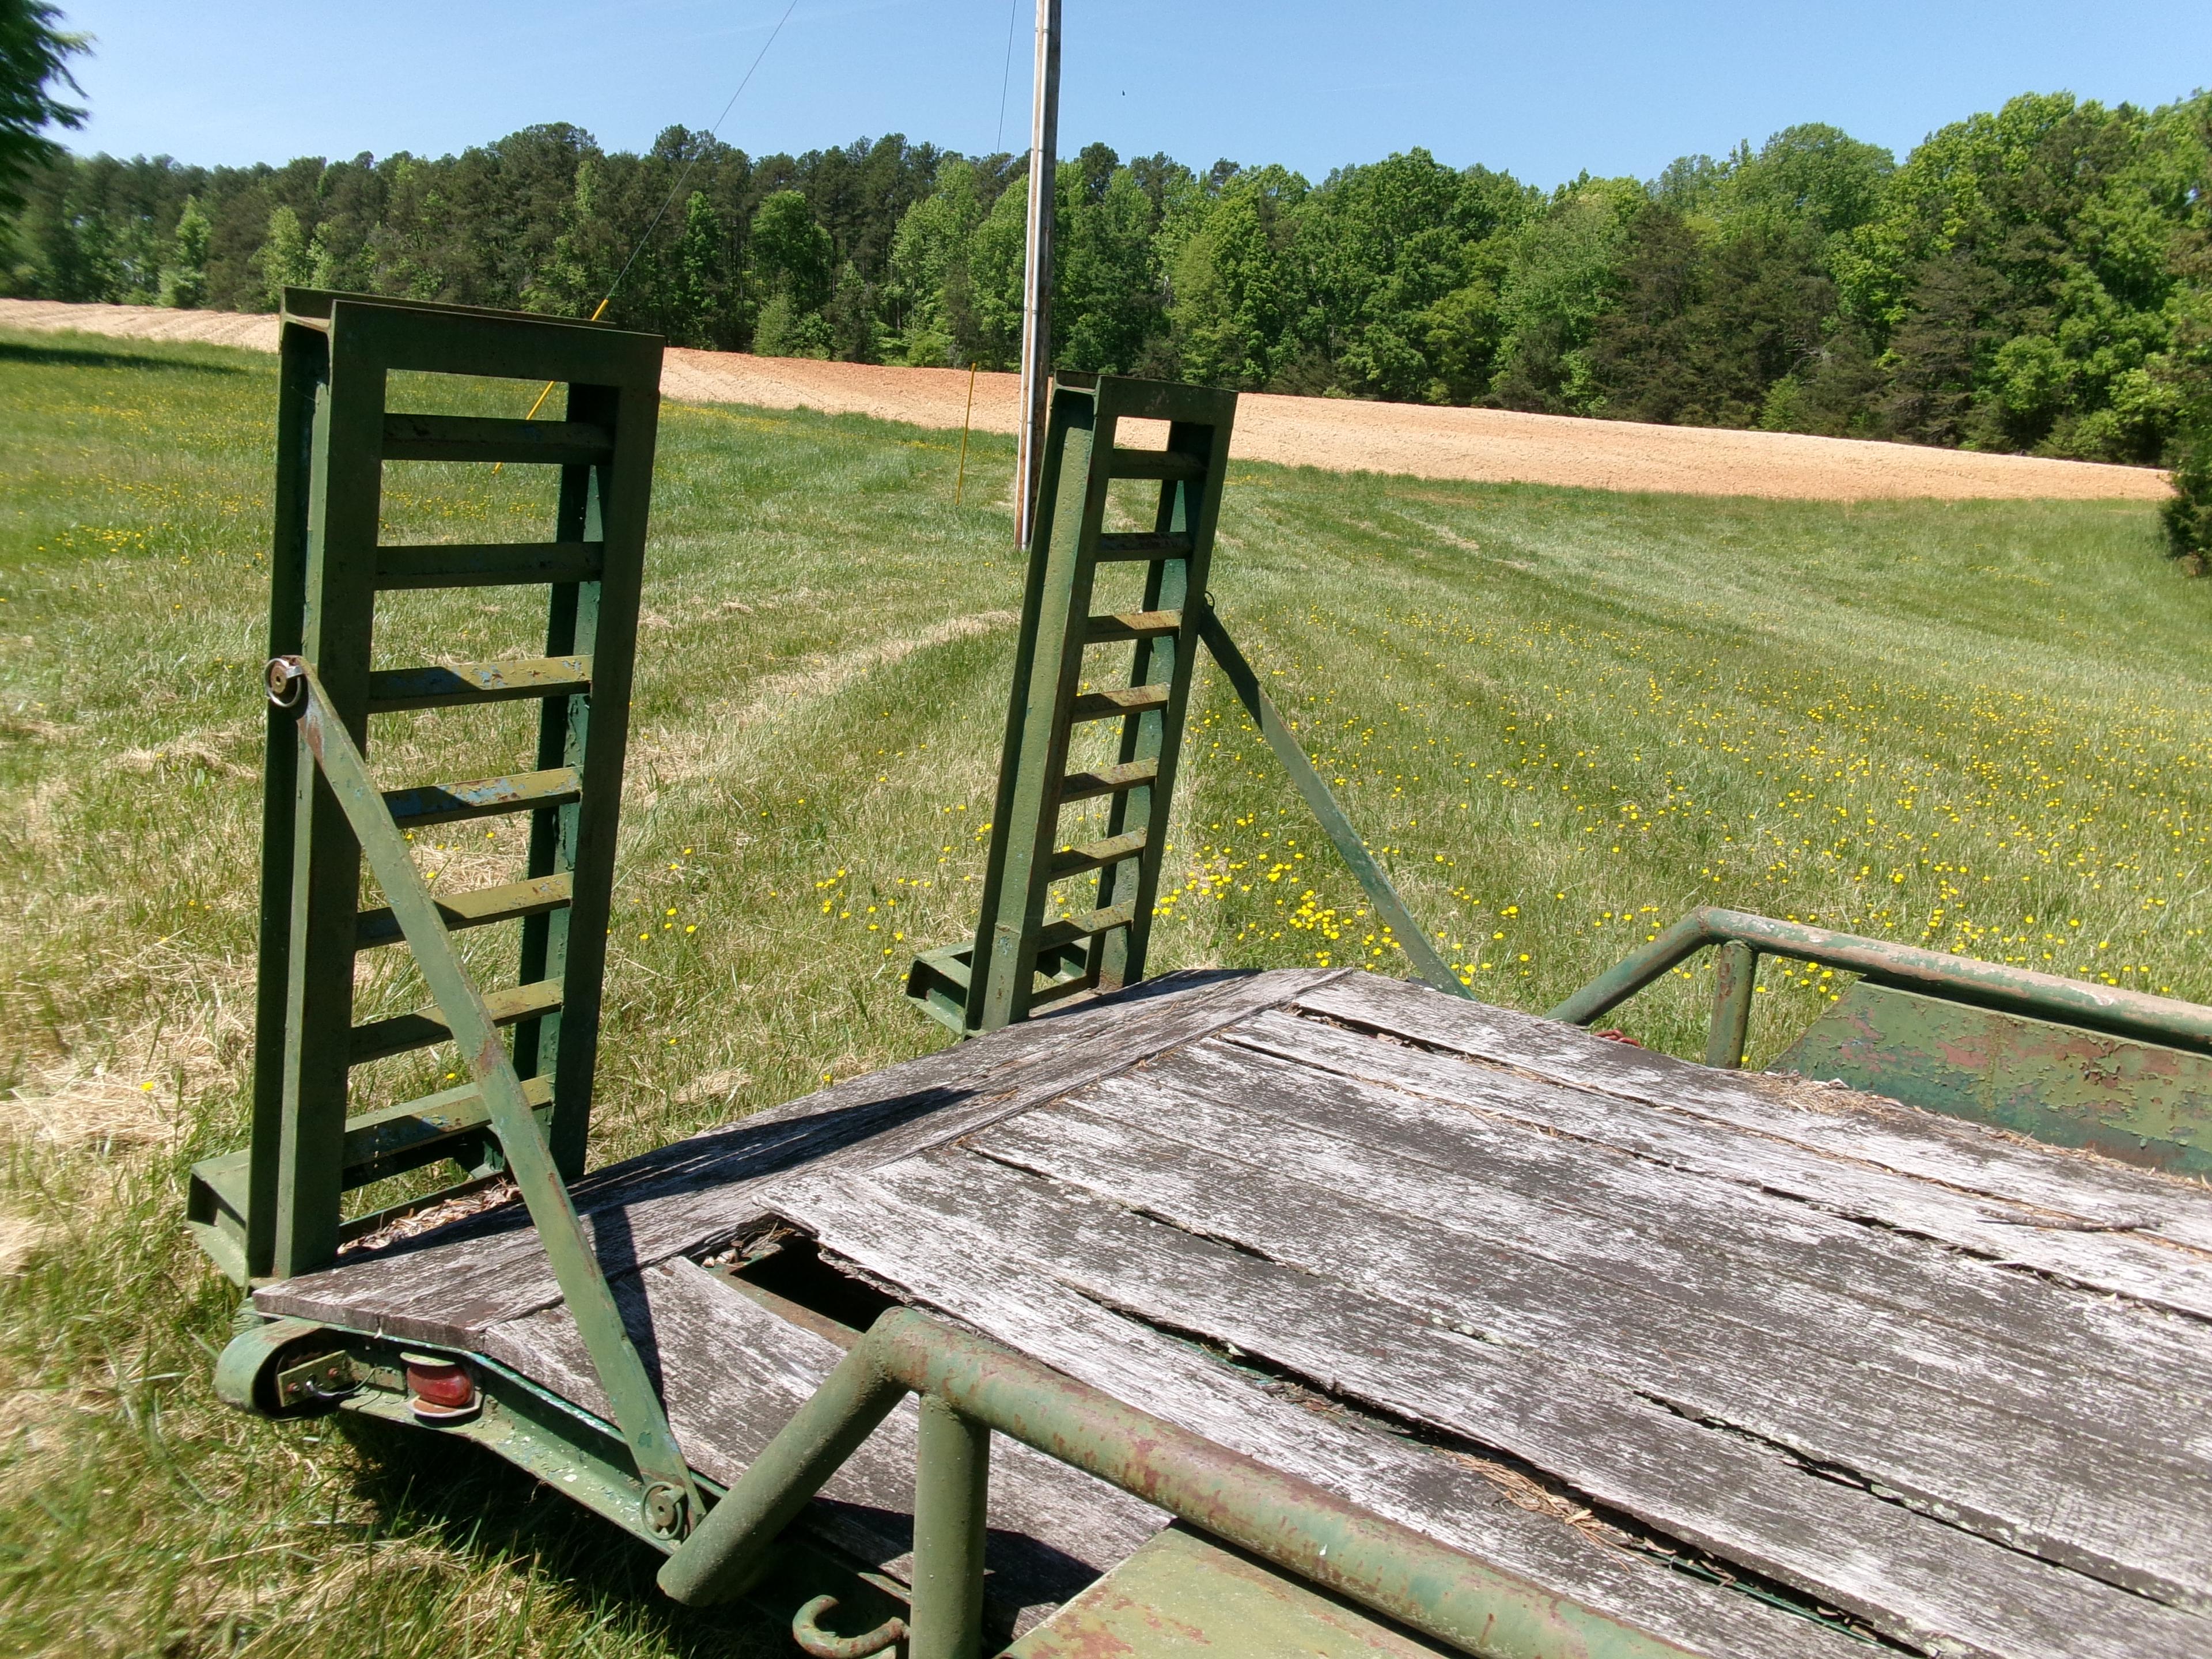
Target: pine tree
(184, 280)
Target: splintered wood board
(1655, 1335)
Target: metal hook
(822, 1644)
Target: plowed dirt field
(1335, 434)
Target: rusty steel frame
(972, 1387)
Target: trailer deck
(1761, 1366)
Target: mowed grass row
(1568, 716)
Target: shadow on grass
(76, 357)
(474, 1504)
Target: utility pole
(1036, 278)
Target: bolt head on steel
(286, 679)
(663, 1508)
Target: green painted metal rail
(1745, 937)
(972, 1387)
(672, 1500)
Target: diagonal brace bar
(1353, 851)
(294, 687)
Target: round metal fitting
(286, 679)
(663, 1507)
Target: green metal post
(345, 497)
(726, 1555)
(1389, 907)
(302, 412)
(1736, 974)
(951, 1489)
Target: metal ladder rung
(1076, 929)
(391, 689)
(1127, 625)
(1154, 463)
(382, 1038)
(479, 908)
(1097, 854)
(1144, 544)
(483, 798)
(488, 564)
(417, 1132)
(1108, 780)
(1057, 990)
(476, 438)
(1128, 700)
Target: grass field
(1568, 716)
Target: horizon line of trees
(2036, 279)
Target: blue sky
(1543, 89)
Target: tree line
(2035, 279)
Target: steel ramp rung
(380, 1039)
(1107, 781)
(482, 908)
(432, 804)
(416, 1132)
(1074, 930)
(499, 440)
(1128, 700)
(1097, 854)
(455, 684)
(1143, 544)
(1126, 626)
(420, 565)
(1162, 464)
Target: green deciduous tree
(283, 260)
(183, 279)
(1235, 278)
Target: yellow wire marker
(960, 483)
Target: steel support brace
(1389, 907)
(621, 1374)
(1735, 975)
(2105, 1008)
(974, 1385)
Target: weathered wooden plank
(1923, 1145)
(1871, 1296)
(1996, 1229)
(445, 1286)
(731, 1374)
(1910, 1577)
(2006, 1475)
(868, 1225)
